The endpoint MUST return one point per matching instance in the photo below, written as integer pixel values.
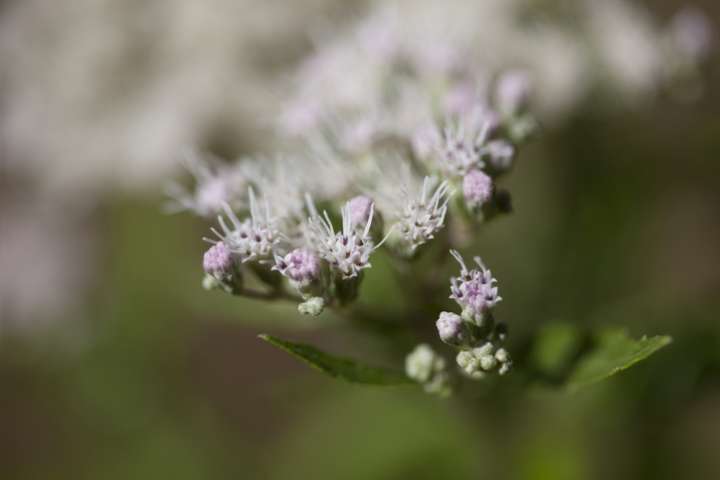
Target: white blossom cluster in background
(428, 96)
(98, 96)
(568, 48)
(46, 259)
(98, 93)
(397, 132)
(101, 94)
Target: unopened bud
(314, 306)
(488, 362)
(301, 266)
(477, 188)
(451, 329)
(218, 261)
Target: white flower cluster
(570, 53)
(389, 194)
(442, 126)
(384, 124)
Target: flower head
(474, 290)
(301, 266)
(348, 250)
(422, 216)
(253, 238)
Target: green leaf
(613, 352)
(555, 346)
(343, 368)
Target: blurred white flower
(627, 46)
(100, 92)
(47, 259)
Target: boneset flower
(253, 238)
(423, 216)
(301, 266)
(347, 251)
(474, 290)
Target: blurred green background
(617, 222)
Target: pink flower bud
(450, 328)
(218, 261)
(301, 266)
(477, 188)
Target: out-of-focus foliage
(614, 353)
(565, 356)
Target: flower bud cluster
(429, 369)
(252, 239)
(475, 333)
(477, 362)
